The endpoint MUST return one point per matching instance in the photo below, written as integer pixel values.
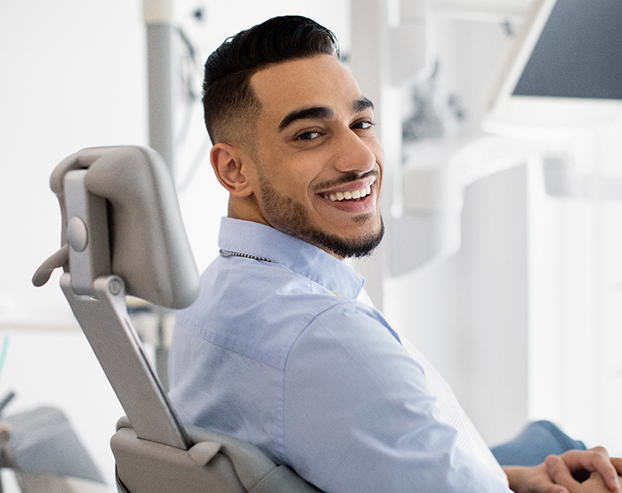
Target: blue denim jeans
(534, 443)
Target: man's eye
(308, 135)
(364, 125)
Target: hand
(583, 462)
(555, 475)
(532, 480)
(593, 484)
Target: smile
(348, 195)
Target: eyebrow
(361, 105)
(314, 112)
(321, 112)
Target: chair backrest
(122, 233)
(121, 202)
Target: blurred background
(501, 261)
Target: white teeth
(356, 194)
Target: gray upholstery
(148, 245)
(217, 463)
(122, 233)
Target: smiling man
(277, 350)
(313, 167)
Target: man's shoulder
(257, 308)
(262, 290)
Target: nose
(356, 153)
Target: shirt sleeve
(358, 415)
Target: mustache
(347, 177)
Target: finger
(595, 481)
(558, 471)
(617, 463)
(539, 481)
(596, 459)
(552, 488)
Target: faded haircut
(230, 107)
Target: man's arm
(359, 416)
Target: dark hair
(228, 100)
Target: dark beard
(289, 216)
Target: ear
(231, 169)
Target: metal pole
(158, 15)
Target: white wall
(72, 76)
(575, 277)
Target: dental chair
(122, 234)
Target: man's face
(317, 158)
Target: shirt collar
(259, 240)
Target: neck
(246, 210)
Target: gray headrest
(148, 246)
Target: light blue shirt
(281, 354)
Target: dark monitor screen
(578, 54)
